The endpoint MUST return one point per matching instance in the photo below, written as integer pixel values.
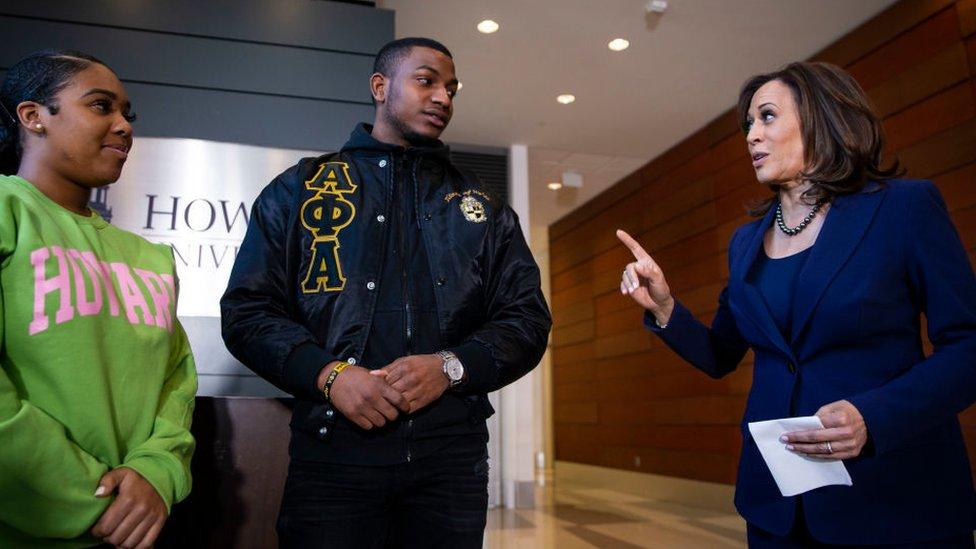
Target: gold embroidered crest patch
(473, 209)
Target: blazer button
(329, 413)
(427, 216)
(383, 163)
(441, 281)
(792, 367)
(323, 431)
(370, 285)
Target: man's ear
(379, 86)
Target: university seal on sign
(473, 209)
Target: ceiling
(682, 69)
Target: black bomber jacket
(303, 287)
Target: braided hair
(38, 78)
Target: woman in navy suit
(828, 287)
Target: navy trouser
(800, 538)
(436, 501)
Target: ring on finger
(829, 449)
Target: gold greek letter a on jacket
(324, 215)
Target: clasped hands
(370, 398)
(136, 516)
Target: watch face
(454, 370)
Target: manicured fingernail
(99, 491)
(790, 447)
(784, 438)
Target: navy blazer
(884, 257)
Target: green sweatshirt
(96, 369)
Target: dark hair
(393, 52)
(38, 77)
(843, 138)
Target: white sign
(195, 196)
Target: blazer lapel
(847, 221)
(753, 304)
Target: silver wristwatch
(453, 369)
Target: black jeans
(437, 501)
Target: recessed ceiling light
(487, 26)
(566, 98)
(555, 186)
(618, 44)
(657, 6)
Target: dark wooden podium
(239, 471)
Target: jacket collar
(754, 305)
(361, 139)
(847, 221)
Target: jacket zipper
(404, 275)
(402, 187)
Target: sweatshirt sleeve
(164, 458)
(47, 481)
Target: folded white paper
(795, 473)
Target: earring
(38, 126)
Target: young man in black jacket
(388, 293)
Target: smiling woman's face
(88, 140)
(774, 137)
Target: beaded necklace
(803, 224)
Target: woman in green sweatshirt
(97, 379)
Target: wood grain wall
(623, 400)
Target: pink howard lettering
(131, 295)
(43, 286)
(86, 307)
(159, 295)
(84, 284)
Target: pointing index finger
(634, 247)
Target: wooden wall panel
(927, 118)
(947, 67)
(879, 30)
(907, 50)
(622, 398)
(971, 53)
(967, 17)
(958, 187)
